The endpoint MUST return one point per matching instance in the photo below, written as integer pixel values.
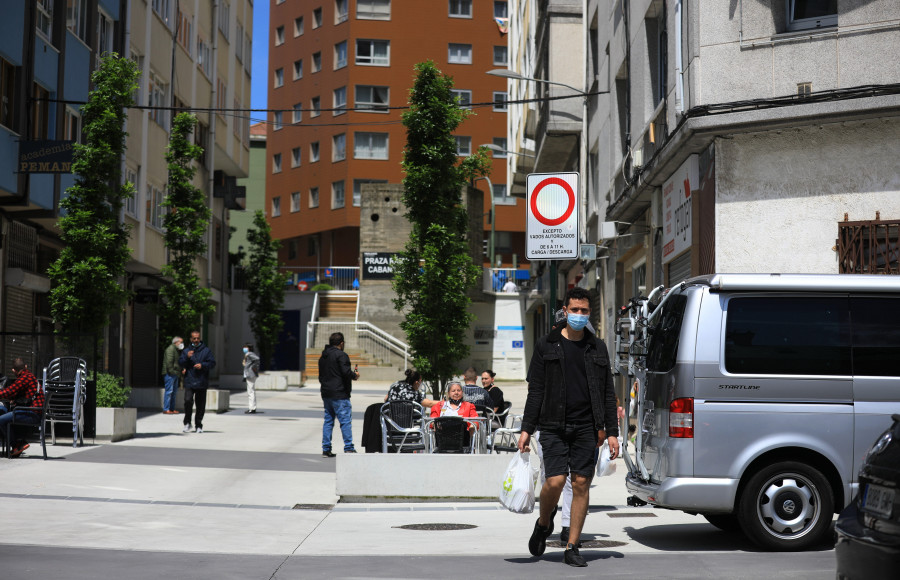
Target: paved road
(252, 498)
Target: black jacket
(545, 407)
(197, 378)
(335, 375)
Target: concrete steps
(338, 306)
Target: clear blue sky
(258, 86)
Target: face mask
(577, 321)
(180, 346)
(246, 350)
(195, 344)
(456, 401)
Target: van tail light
(681, 418)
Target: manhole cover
(632, 515)
(313, 506)
(281, 419)
(589, 544)
(436, 527)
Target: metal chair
(507, 438)
(64, 395)
(498, 418)
(449, 436)
(401, 427)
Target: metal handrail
(381, 338)
(312, 318)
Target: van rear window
(662, 346)
(876, 336)
(788, 336)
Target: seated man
(23, 392)
(474, 394)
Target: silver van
(759, 394)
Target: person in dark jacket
(196, 360)
(336, 381)
(572, 401)
(171, 374)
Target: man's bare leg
(581, 486)
(550, 492)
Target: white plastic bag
(536, 445)
(604, 465)
(517, 486)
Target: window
(224, 19)
(869, 247)
(459, 53)
(277, 120)
(500, 143)
(501, 56)
(662, 347)
(500, 99)
(276, 163)
(339, 147)
(184, 29)
(7, 93)
(201, 138)
(73, 125)
(370, 145)
(340, 101)
(501, 195)
(787, 336)
(372, 97)
(340, 55)
(298, 69)
(279, 77)
(337, 195)
(131, 203)
(204, 56)
(463, 145)
(461, 8)
(806, 14)
(373, 9)
(248, 53)
(315, 107)
(276, 206)
(221, 96)
(317, 18)
(298, 113)
(357, 188)
(45, 17)
(501, 9)
(464, 97)
(373, 52)
(155, 210)
(77, 15)
(295, 157)
(295, 207)
(158, 97)
(279, 36)
(313, 202)
(298, 26)
(316, 62)
(239, 43)
(876, 336)
(105, 33)
(292, 244)
(340, 11)
(314, 152)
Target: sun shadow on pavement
(557, 557)
(696, 537)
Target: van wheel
(786, 507)
(725, 522)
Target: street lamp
(498, 149)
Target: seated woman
(455, 406)
(407, 389)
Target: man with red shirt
(23, 392)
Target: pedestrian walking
(251, 373)
(336, 381)
(196, 360)
(572, 401)
(171, 374)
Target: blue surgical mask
(576, 321)
(246, 350)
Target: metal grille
(679, 269)
(22, 246)
(869, 247)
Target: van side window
(876, 336)
(663, 343)
(787, 336)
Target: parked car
(760, 395)
(868, 530)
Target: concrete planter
(117, 423)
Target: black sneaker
(328, 454)
(572, 557)
(538, 541)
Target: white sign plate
(551, 225)
(677, 208)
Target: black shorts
(570, 449)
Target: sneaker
(328, 454)
(19, 450)
(350, 451)
(250, 412)
(199, 430)
(572, 557)
(538, 541)
(187, 428)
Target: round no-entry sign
(551, 228)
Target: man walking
(171, 374)
(336, 381)
(197, 360)
(572, 401)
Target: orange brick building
(337, 69)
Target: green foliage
(265, 287)
(435, 271)
(184, 302)
(111, 391)
(86, 276)
(321, 287)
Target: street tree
(183, 302)
(87, 276)
(435, 271)
(265, 287)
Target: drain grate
(589, 544)
(313, 506)
(436, 527)
(632, 515)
